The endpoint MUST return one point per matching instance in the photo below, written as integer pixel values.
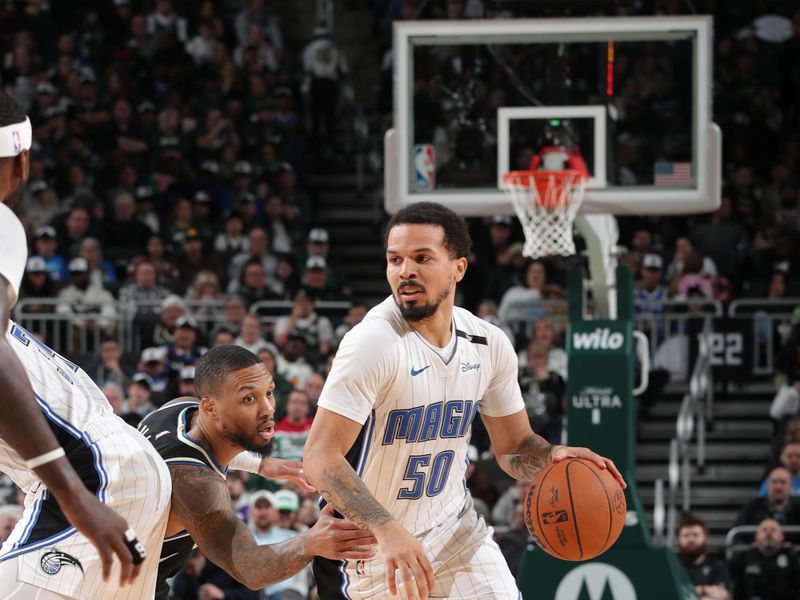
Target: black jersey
(166, 428)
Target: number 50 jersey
(416, 403)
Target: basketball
(575, 509)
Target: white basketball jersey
(416, 403)
(65, 393)
(13, 250)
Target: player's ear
(208, 406)
(460, 268)
(22, 166)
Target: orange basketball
(575, 509)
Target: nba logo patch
(424, 167)
(17, 141)
(361, 567)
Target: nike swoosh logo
(414, 372)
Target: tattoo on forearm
(348, 494)
(201, 500)
(531, 456)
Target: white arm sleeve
(503, 396)
(246, 461)
(359, 371)
(13, 251)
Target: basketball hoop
(547, 203)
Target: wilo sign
(602, 338)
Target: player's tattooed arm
(201, 501)
(340, 486)
(530, 456)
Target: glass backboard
(474, 99)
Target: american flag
(673, 174)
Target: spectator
(275, 211)
(487, 310)
(313, 388)
(192, 259)
(107, 369)
(200, 579)
(723, 240)
(79, 298)
(315, 280)
(480, 486)
(115, 397)
(514, 495)
(292, 362)
(222, 336)
(234, 312)
(155, 253)
(544, 332)
(101, 271)
(303, 321)
(175, 232)
(252, 286)
(185, 350)
(684, 249)
(46, 246)
(71, 232)
(515, 542)
(543, 392)
(709, 576)
(231, 241)
(777, 505)
(258, 249)
(355, 314)
(282, 385)
(256, 13)
(186, 382)
(318, 244)
(251, 335)
(153, 363)
(9, 515)
(291, 432)
(524, 303)
(790, 459)
(171, 309)
(144, 293)
(43, 206)
(767, 570)
(139, 402)
(164, 21)
(124, 235)
(37, 284)
(324, 68)
(145, 211)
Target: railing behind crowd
(80, 327)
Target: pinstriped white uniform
(113, 460)
(416, 403)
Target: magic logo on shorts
(53, 560)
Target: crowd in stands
(166, 183)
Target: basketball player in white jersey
(388, 447)
(61, 443)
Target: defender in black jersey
(199, 439)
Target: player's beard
(417, 312)
(239, 437)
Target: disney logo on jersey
(53, 560)
(466, 367)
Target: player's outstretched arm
(200, 500)
(327, 468)
(522, 453)
(25, 429)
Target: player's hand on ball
(561, 452)
(285, 470)
(338, 539)
(405, 559)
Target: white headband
(15, 138)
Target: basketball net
(546, 203)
